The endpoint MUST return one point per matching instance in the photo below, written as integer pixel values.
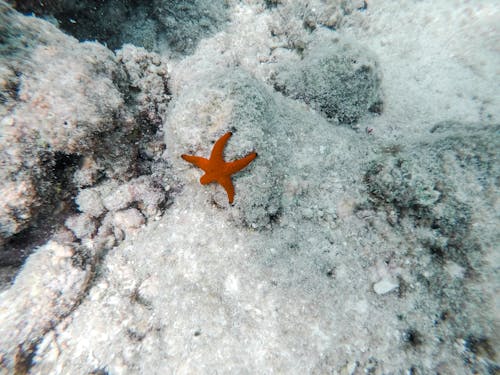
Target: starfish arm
(218, 149)
(196, 160)
(237, 165)
(227, 184)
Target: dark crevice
(56, 191)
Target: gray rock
(385, 286)
(177, 27)
(338, 79)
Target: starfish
(217, 169)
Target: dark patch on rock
(144, 24)
(340, 80)
(412, 337)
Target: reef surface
(363, 239)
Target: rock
(89, 201)
(340, 80)
(46, 291)
(128, 220)
(118, 198)
(81, 225)
(385, 286)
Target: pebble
(385, 286)
(129, 219)
(89, 201)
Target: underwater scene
(250, 187)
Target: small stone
(307, 213)
(88, 173)
(8, 121)
(119, 198)
(149, 289)
(385, 286)
(105, 237)
(64, 236)
(128, 219)
(345, 207)
(148, 196)
(81, 225)
(156, 60)
(89, 201)
(61, 251)
(455, 270)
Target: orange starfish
(218, 170)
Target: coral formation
(77, 116)
(417, 184)
(338, 79)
